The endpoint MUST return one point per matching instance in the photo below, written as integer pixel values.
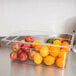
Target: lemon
(37, 58)
(44, 51)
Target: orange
(65, 43)
(63, 54)
(49, 60)
(54, 51)
(33, 45)
(38, 47)
(60, 62)
(57, 42)
(44, 51)
(37, 58)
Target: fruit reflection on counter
(38, 52)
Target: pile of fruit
(39, 53)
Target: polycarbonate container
(49, 49)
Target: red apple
(22, 56)
(63, 41)
(27, 44)
(29, 39)
(20, 44)
(13, 55)
(17, 46)
(25, 48)
(19, 51)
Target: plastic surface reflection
(24, 69)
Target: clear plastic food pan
(39, 47)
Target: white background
(47, 15)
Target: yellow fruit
(33, 45)
(47, 45)
(65, 43)
(37, 58)
(49, 60)
(60, 62)
(22, 40)
(63, 54)
(38, 68)
(57, 42)
(44, 51)
(54, 51)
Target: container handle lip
(72, 41)
(74, 31)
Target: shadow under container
(49, 49)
